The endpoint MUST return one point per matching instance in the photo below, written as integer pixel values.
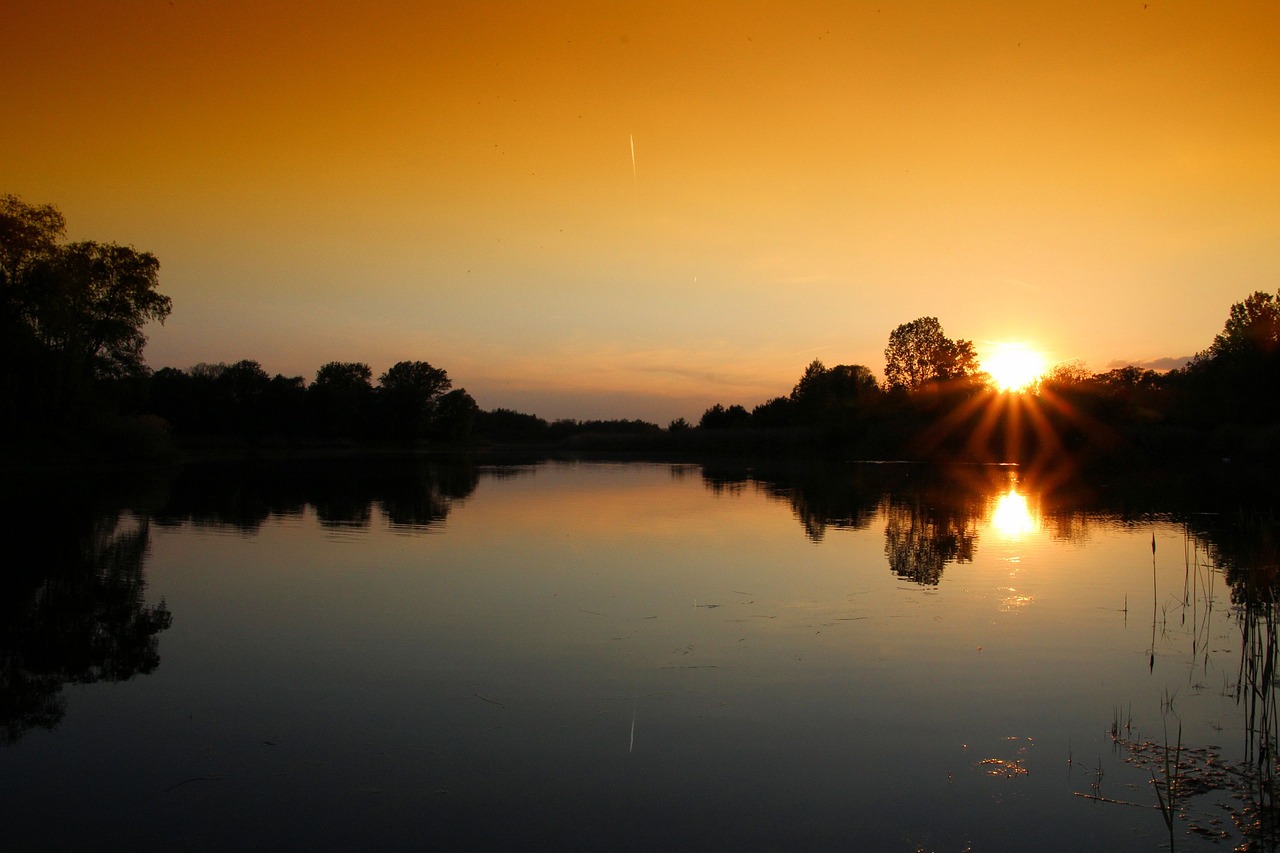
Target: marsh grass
(1185, 779)
(1168, 798)
(1121, 721)
(1256, 694)
(1194, 786)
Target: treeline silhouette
(939, 405)
(411, 403)
(72, 376)
(71, 371)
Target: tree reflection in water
(78, 616)
(412, 492)
(1241, 548)
(932, 516)
(919, 540)
(931, 512)
(1246, 550)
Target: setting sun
(1013, 367)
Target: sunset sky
(454, 182)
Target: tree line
(412, 402)
(72, 317)
(936, 402)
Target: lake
(407, 653)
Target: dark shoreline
(1224, 464)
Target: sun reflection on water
(1012, 517)
(1014, 600)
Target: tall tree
(341, 399)
(718, 417)
(71, 314)
(455, 416)
(919, 353)
(411, 392)
(1238, 376)
(346, 375)
(28, 233)
(90, 303)
(828, 389)
(1252, 328)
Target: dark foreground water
(404, 654)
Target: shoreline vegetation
(75, 391)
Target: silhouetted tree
(71, 315)
(340, 400)
(1252, 328)
(28, 233)
(171, 393)
(455, 416)
(824, 393)
(241, 392)
(571, 428)
(90, 301)
(349, 375)
(779, 412)
(410, 392)
(718, 417)
(919, 353)
(233, 400)
(1238, 377)
(507, 425)
(1065, 375)
(29, 236)
(284, 405)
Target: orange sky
(453, 181)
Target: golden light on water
(1012, 517)
(1014, 367)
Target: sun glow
(1013, 367)
(1011, 516)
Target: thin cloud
(1160, 365)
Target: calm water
(404, 654)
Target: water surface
(402, 653)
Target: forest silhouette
(73, 379)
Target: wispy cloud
(1160, 365)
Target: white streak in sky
(632, 747)
(634, 179)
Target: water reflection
(414, 493)
(1011, 517)
(935, 517)
(821, 497)
(1245, 547)
(919, 539)
(585, 636)
(931, 514)
(76, 614)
